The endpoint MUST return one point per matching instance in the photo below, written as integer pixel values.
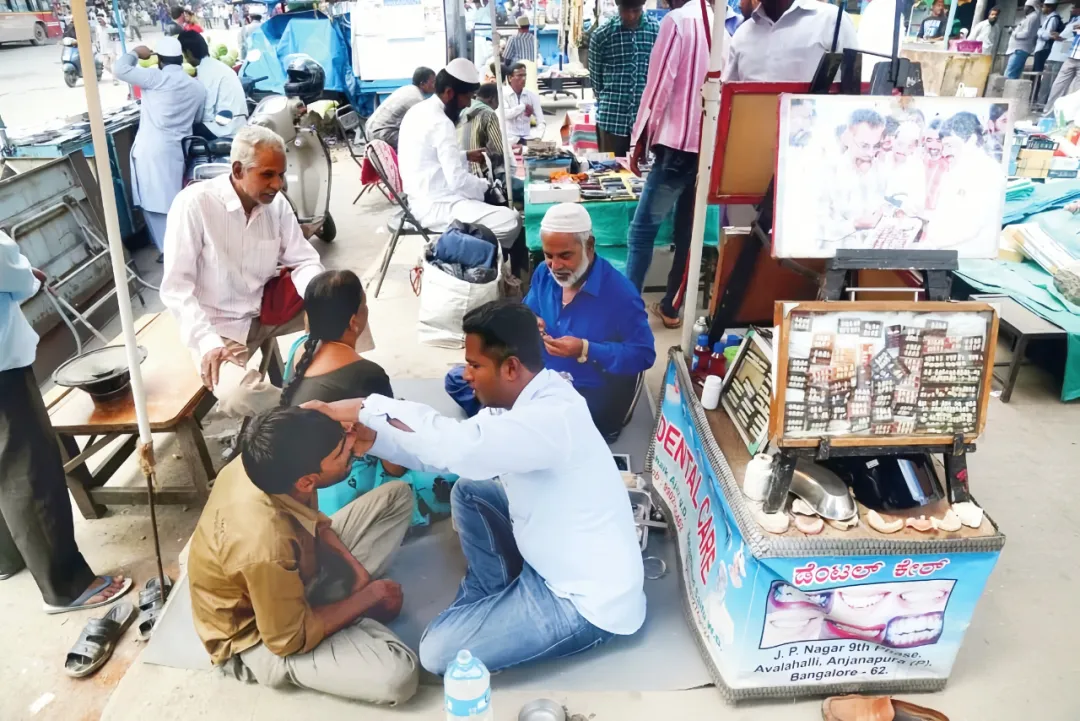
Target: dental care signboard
(779, 616)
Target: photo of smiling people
(923, 173)
(900, 615)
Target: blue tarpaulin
(326, 40)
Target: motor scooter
(308, 164)
(71, 65)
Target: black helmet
(306, 78)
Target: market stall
(828, 539)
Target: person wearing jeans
(1022, 42)
(669, 123)
(554, 566)
(670, 185)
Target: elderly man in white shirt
(226, 239)
(553, 563)
(434, 168)
(784, 40)
(224, 91)
(522, 106)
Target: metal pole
(119, 25)
(948, 24)
(508, 155)
(710, 92)
(119, 267)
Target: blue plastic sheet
(1053, 194)
(327, 41)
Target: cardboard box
(1032, 156)
(554, 193)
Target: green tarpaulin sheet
(1032, 287)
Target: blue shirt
(607, 311)
(18, 341)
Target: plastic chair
(383, 160)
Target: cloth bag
(444, 301)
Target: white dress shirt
(517, 120)
(569, 508)
(224, 91)
(432, 163)
(789, 49)
(217, 261)
(18, 341)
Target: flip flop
(151, 601)
(79, 603)
(97, 641)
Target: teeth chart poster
(806, 623)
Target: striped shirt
(670, 110)
(479, 130)
(520, 47)
(618, 66)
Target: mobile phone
(622, 461)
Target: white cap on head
(523, 21)
(464, 70)
(168, 46)
(567, 218)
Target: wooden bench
(1020, 324)
(176, 401)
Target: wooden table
(175, 399)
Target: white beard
(576, 276)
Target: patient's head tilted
(296, 451)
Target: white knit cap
(567, 218)
(523, 21)
(464, 70)
(168, 46)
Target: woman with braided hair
(325, 365)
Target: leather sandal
(876, 708)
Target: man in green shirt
(618, 67)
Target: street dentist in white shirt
(434, 168)
(554, 566)
(226, 239)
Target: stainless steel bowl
(823, 490)
(542, 709)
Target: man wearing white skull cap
(592, 321)
(171, 102)
(434, 168)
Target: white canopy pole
(508, 155)
(710, 92)
(116, 253)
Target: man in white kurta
(434, 168)
(225, 241)
(171, 103)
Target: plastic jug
(467, 689)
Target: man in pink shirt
(669, 123)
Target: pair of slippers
(99, 637)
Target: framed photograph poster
(746, 394)
(920, 173)
(882, 373)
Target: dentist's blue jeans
(670, 185)
(504, 612)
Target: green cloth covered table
(1032, 287)
(611, 225)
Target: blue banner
(802, 621)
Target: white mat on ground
(662, 656)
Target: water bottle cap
(464, 657)
(703, 339)
(718, 346)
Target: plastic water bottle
(467, 689)
(717, 364)
(702, 355)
